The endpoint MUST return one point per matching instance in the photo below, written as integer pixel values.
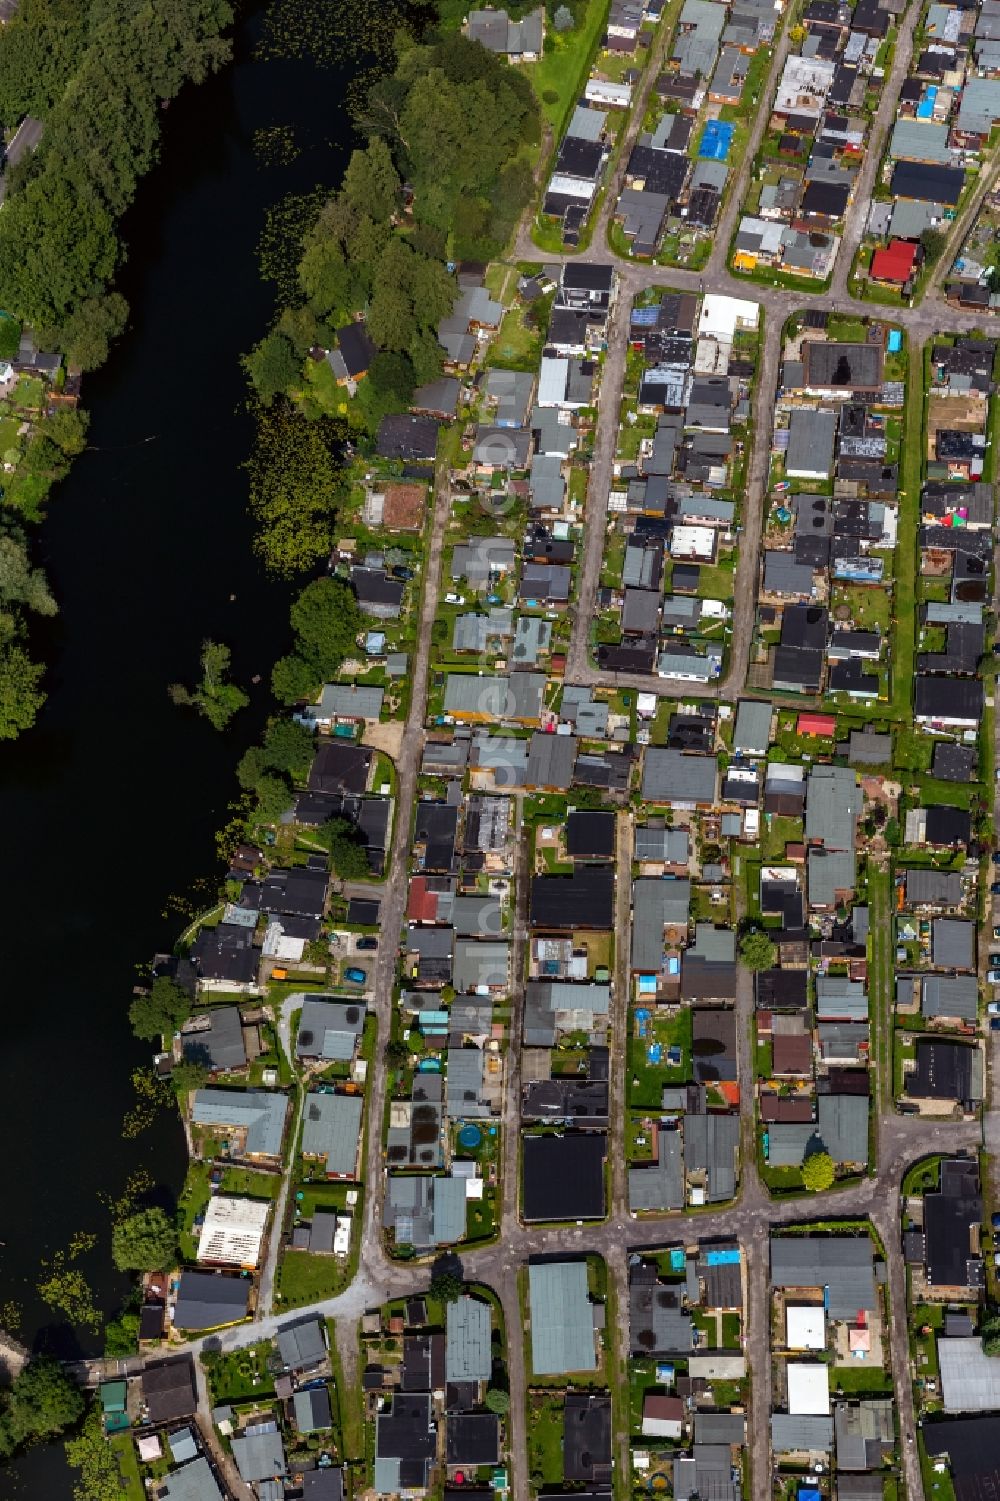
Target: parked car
(995, 888)
(994, 961)
(355, 976)
(996, 934)
(993, 1009)
(993, 975)
(995, 1221)
(995, 1023)
(372, 943)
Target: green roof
(113, 1395)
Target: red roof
(423, 904)
(894, 262)
(816, 724)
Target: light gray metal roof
(953, 943)
(259, 1452)
(331, 1128)
(448, 1212)
(752, 731)
(970, 1380)
(468, 1352)
(260, 1112)
(562, 1318)
(790, 1433)
(950, 995)
(192, 1482)
(811, 437)
(464, 1082)
(833, 802)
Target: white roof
(606, 92)
(572, 187)
(552, 381)
(808, 1389)
(720, 316)
(806, 1328)
(696, 541)
(233, 1231)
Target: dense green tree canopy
(347, 850)
(757, 951)
(20, 694)
(326, 619)
(43, 1401)
(160, 1011)
(272, 366)
(818, 1171)
(144, 1242)
(95, 71)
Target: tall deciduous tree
(161, 1010)
(144, 1242)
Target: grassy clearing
(128, 1466)
(545, 1437)
(646, 1080)
(558, 76)
(304, 1278)
(242, 1375)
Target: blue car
(356, 976)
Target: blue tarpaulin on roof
(716, 139)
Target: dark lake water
(110, 805)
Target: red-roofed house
(816, 724)
(423, 903)
(895, 262)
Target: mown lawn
(855, 1379)
(128, 1466)
(242, 1375)
(243, 1180)
(545, 1437)
(558, 76)
(304, 1278)
(646, 1080)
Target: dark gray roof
(302, 1345)
(843, 1265)
(671, 776)
(207, 1300)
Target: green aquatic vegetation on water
(275, 146)
(332, 32)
